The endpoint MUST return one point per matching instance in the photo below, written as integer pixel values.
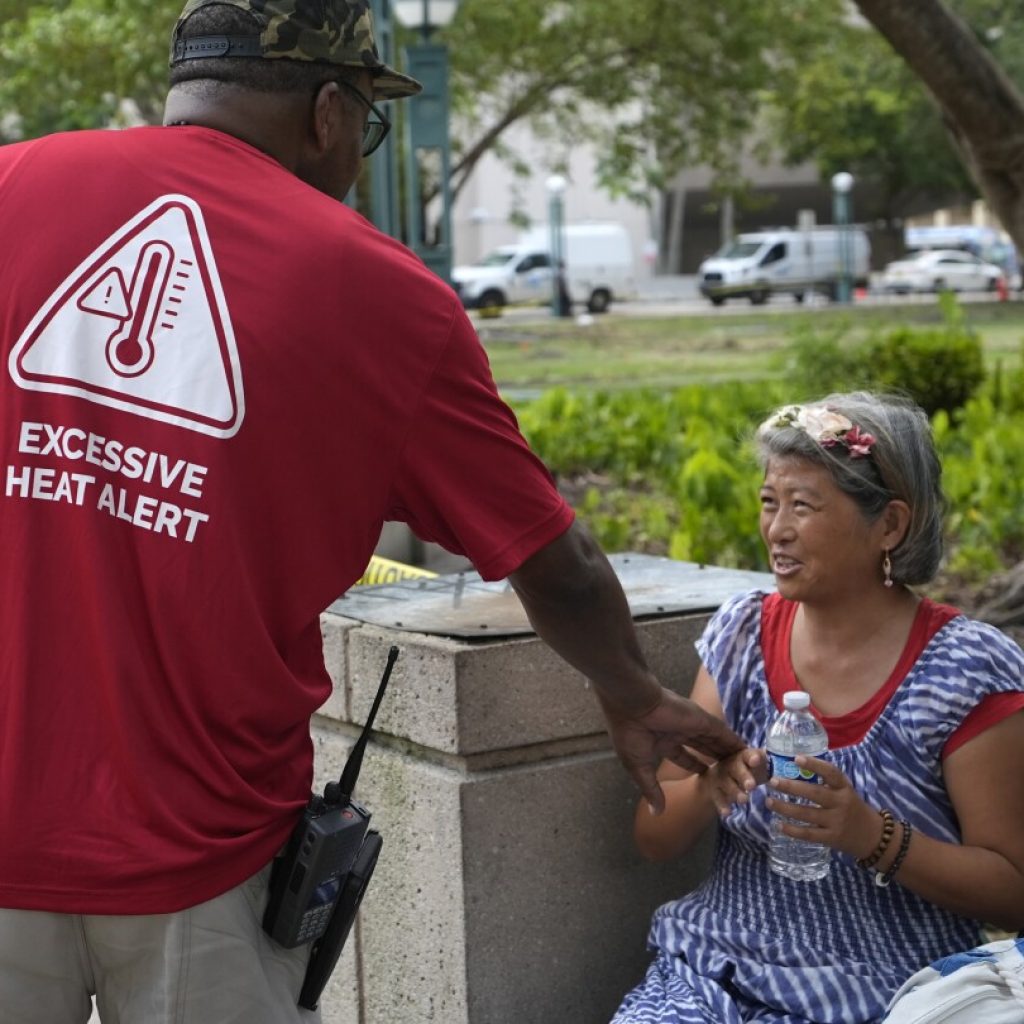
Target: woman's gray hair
(902, 465)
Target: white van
(599, 268)
(761, 263)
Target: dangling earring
(887, 569)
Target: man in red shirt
(220, 383)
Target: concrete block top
(507, 696)
(465, 606)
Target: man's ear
(326, 117)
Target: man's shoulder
(15, 151)
(391, 264)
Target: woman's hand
(731, 780)
(676, 730)
(837, 817)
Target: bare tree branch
(518, 109)
(570, 75)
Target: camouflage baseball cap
(328, 31)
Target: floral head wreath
(827, 427)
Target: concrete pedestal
(508, 890)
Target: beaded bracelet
(884, 880)
(888, 828)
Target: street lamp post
(842, 184)
(560, 304)
(428, 135)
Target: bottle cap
(796, 700)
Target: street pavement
(678, 295)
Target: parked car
(937, 270)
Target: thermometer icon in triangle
(142, 324)
(131, 348)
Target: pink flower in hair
(858, 443)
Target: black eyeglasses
(377, 126)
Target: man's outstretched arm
(576, 604)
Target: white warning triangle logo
(142, 325)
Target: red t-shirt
(218, 385)
(777, 616)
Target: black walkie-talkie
(311, 875)
(327, 949)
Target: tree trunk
(672, 233)
(983, 109)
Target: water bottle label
(785, 766)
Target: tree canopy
(655, 85)
(856, 107)
(68, 64)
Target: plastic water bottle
(796, 731)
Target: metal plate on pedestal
(465, 606)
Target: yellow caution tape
(383, 570)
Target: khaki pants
(211, 964)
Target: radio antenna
(343, 789)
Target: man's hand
(676, 730)
(575, 602)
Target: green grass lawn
(619, 351)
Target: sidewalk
(668, 288)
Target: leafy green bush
(939, 367)
(983, 477)
(940, 370)
(679, 479)
(634, 435)
(821, 360)
(1006, 387)
(671, 473)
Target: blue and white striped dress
(749, 945)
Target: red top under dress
(845, 730)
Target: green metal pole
(429, 144)
(383, 165)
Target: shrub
(677, 476)
(668, 473)
(1006, 387)
(819, 361)
(639, 435)
(940, 368)
(983, 478)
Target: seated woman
(923, 709)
